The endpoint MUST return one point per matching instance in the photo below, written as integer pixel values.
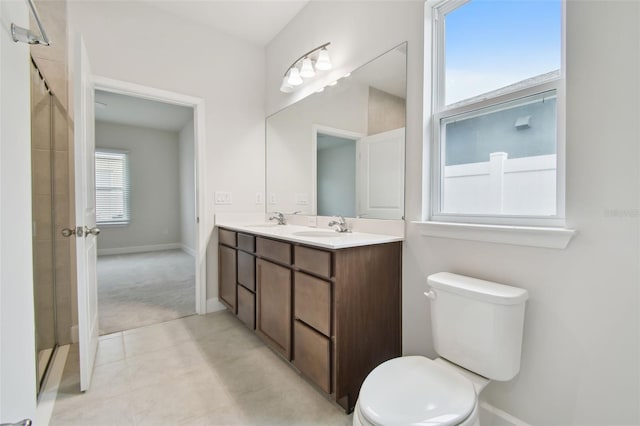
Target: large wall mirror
(341, 151)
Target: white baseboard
(492, 416)
(214, 305)
(139, 249)
(188, 250)
(75, 335)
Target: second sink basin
(317, 234)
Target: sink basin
(317, 234)
(263, 225)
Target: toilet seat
(415, 390)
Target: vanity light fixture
(303, 67)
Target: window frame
(441, 111)
(126, 187)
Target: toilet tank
(477, 324)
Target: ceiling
(122, 109)
(255, 21)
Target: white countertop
(330, 240)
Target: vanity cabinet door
(247, 307)
(313, 302)
(273, 321)
(312, 355)
(247, 270)
(227, 276)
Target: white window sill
(557, 238)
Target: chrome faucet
(279, 217)
(342, 224)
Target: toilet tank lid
(478, 289)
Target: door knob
(67, 232)
(93, 231)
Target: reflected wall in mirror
(341, 151)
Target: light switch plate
(302, 199)
(223, 198)
(259, 198)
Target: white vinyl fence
(519, 186)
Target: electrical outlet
(259, 198)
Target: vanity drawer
(312, 355)
(313, 302)
(227, 237)
(246, 242)
(274, 250)
(313, 260)
(247, 307)
(247, 270)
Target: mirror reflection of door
(336, 175)
(381, 175)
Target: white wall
(135, 42)
(17, 331)
(580, 354)
(154, 178)
(187, 188)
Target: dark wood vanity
(334, 314)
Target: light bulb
(294, 77)
(324, 62)
(306, 70)
(285, 87)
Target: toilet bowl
(477, 332)
(415, 390)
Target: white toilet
(477, 331)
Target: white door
(86, 231)
(381, 175)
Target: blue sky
(494, 43)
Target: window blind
(112, 187)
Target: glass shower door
(42, 190)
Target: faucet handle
(279, 216)
(341, 222)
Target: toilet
(477, 333)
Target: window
(498, 103)
(112, 187)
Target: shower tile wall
(53, 63)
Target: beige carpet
(139, 289)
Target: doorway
(336, 175)
(147, 185)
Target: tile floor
(198, 370)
